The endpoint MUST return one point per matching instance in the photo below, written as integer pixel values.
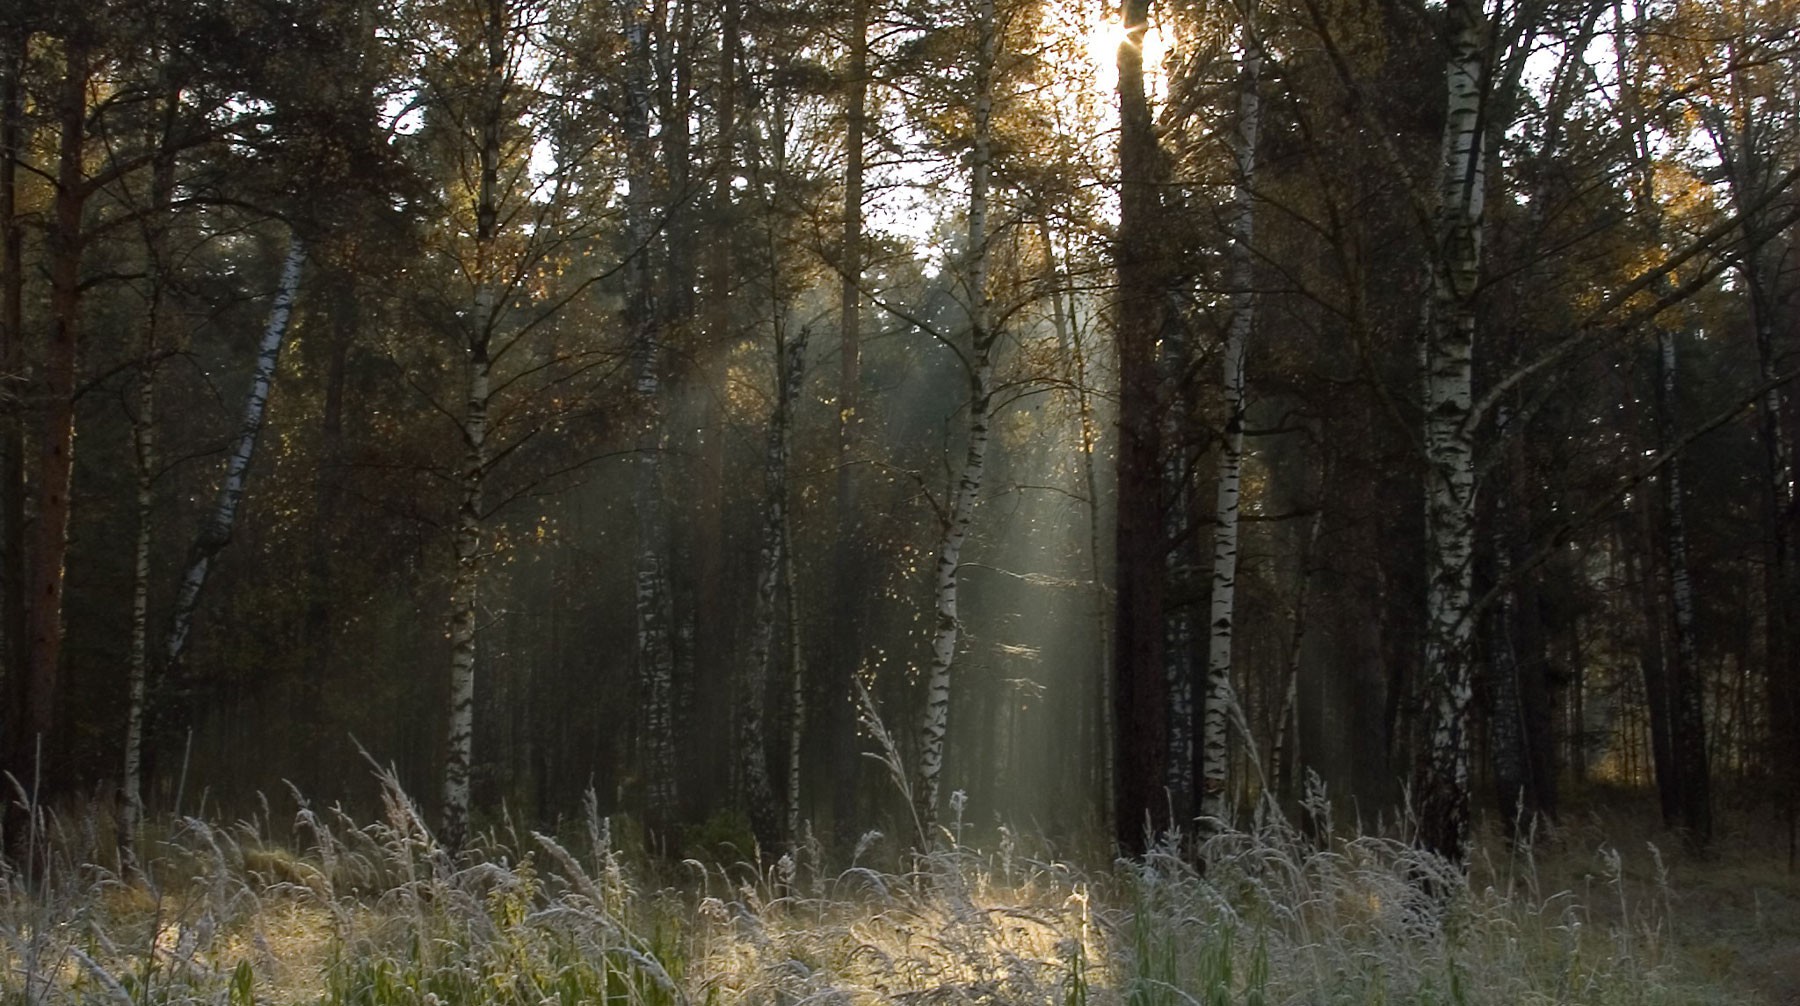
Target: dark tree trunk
(1140, 695)
(13, 605)
(840, 709)
(56, 455)
(1687, 739)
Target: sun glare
(1103, 40)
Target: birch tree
(1441, 785)
(143, 436)
(507, 247)
(215, 529)
(979, 364)
(486, 121)
(655, 656)
(1221, 697)
(774, 564)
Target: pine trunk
(846, 654)
(1687, 741)
(1781, 662)
(1140, 693)
(12, 434)
(56, 457)
(1653, 664)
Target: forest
(919, 438)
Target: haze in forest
(782, 422)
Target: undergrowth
(378, 914)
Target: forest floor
(342, 913)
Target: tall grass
(378, 914)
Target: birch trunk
(1220, 696)
(1506, 723)
(143, 437)
(1180, 558)
(215, 532)
(654, 614)
(472, 474)
(1441, 788)
(968, 486)
(464, 591)
(1687, 742)
(759, 790)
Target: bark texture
(12, 431)
(471, 474)
(1441, 783)
(64, 244)
(772, 565)
(1221, 698)
(653, 605)
(1140, 693)
(215, 531)
(981, 393)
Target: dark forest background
(637, 351)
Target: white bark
(968, 486)
(465, 588)
(1507, 737)
(655, 642)
(143, 438)
(1442, 791)
(759, 790)
(216, 532)
(1221, 699)
(472, 476)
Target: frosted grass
(377, 914)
